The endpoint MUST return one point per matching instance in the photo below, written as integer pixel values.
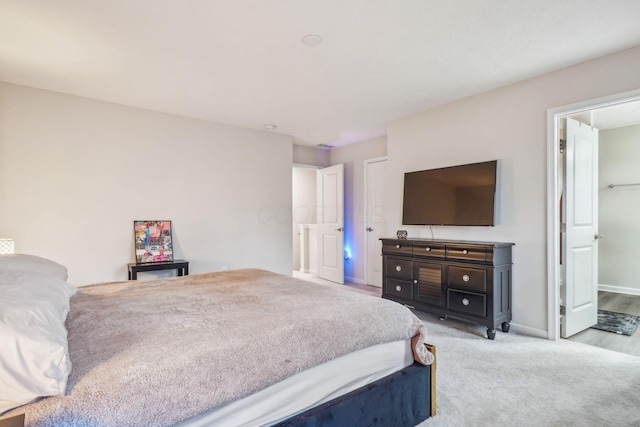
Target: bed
(243, 347)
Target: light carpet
(518, 380)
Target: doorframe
(293, 231)
(553, 202)
(366, 211)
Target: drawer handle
(464, 251)
(398, 268)
(465, 301)
(428, 249)
(466, 277)
(398, 288)
(398, 246)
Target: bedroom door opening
(617, 117)
(304, 230)
(318, 221)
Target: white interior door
(376, 220)
(579, 292)
(331, 223)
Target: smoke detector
(312, 40)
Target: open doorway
(304, 232)
(616, 226)
(318, 221)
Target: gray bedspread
(156, 353)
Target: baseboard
(619, 289)
(354, 280)
(526, 330)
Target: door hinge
(563, 144)
(563, 310)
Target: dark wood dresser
(461, 279)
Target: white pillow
(21, 263)
(34, 354)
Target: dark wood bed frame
(396, 400)
(17, 421)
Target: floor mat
(619, 323)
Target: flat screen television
(456, 195)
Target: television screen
(456, 195)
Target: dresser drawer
(400, 268)
(397, 248)
(427, 250)
(399, 288)
(467, 302)
(467, 278)
(467, 253)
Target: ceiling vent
(325, 146)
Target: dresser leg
(491, 334)
(506, 326)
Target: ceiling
(243, 62)
(616, 116)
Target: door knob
(597, 236)
(340, 229)
(369, 229)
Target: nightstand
(181, 265)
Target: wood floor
(355, 287)
(621, 303)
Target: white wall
(75, 173)
(305, 155)
(353, 157)
(619, 223)
(508, 124)
(304, 205)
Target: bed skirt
(404, 398)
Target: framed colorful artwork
(153, 241)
